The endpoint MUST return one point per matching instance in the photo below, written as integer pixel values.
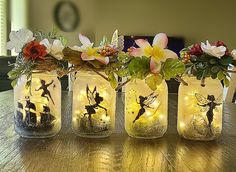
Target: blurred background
(184, 21)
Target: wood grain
(66, 152)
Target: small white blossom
(213, 50)
(18, 39)
(55, 49)
(233, 53)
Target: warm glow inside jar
(146, 110)
(200, 109)
(94, 105)
(38, 107)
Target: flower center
(33, 51)
(155, 52)
(91, 51)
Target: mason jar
(146, 111)
(94, 105)
(200, 109)
(37, 105)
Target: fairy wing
(150, 99)
(219, 99)
(117, 41)
(120, 43)
(91, 95)
(114, 39)
(201, 99)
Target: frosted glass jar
(200, 109)
(146, 111)
(94, 105)
(37, 111)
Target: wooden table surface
(66, 152)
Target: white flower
(213, 50)
(88, 51)
(55, 49)
(18, 39)
(86, 44)
(233, 53)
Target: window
(3, 27)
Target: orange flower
(34, 50)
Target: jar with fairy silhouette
(200, 109)
(94, 105)
(37, 105)
(146, 110)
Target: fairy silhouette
(95, 100)
(46, 93)
(145, 102)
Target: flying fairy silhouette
(46, 93)
(145, 102)
(208, 104)
(94, 103)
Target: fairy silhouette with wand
(46, 93)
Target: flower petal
(233, 53)
(47, 44)
(136, 52)
(84, 40)
(85, 57)
(170, 54)
(142, 43)
(103, 60)
(154, 67)
(76, 48)
(160, 40)
(18, 39)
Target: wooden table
(66, 152)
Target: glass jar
(94, 105)
(146, 110)
(38, 106)
(200, 109)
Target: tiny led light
(105, 118)
(82, 92)
(182, 125)
(161, 116)
(155, 103)
(148, 113)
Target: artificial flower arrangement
(209, 60)
(200, 103)
(39, 52)
(37, 90)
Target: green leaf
(153, 80)
(226, 82)
(226, 60)
(220, 75)
(13, 83)
(171, 68)
(112, 80)
(139, 67)
(215, 69)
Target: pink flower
(157, 52)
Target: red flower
(221, 43)
(34, 50)
(196, 50)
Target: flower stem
(180, 79)
(231, 71)
(121, 85)
(203, 82)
